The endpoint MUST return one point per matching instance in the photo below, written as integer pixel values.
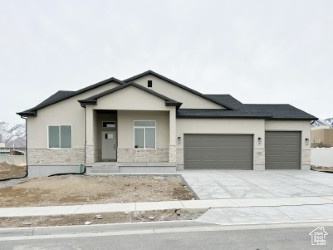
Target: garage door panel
(283, 150)
(216, 151)
(195, 165)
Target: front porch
(119, 141)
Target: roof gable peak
(93, 99)
(153, 73)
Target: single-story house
(152, 122)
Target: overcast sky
(258, 51)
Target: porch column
(90, 134)
(172, 135)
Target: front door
(109, 145)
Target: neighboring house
(322, 136)
(152, 122)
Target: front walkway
(232, 184)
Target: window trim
(144, 133)
(48, 136)
(115, 125)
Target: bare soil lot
(11, 171)
(77, 189)
(102, 218)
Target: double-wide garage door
(218, 151)
(283, 150)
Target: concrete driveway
(219, 184)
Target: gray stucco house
(149, 122)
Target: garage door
(283, 150)
(202, 151)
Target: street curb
(140, 228)
(96, 228)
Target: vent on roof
(150, 84)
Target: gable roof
(234, 108)
(255, 111)
(93, 99)
(150, 72)
(64, 94)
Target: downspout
(85, 134)
(26, 147)
(26, 154)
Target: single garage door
(283, 150)
(218, 151)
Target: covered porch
(130, 140)
(130, 126)
(130, 136)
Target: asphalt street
(258, 239)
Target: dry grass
(75, 189)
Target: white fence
(322, 157)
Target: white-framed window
(60, 136)
(144, 134)
(108, 124)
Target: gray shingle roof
(63, 95)
(279, 111)
(232, 102)
(257, 111)
(217, 113)
(234, 108)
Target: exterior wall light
(259, 140)
(179, 140)
(306, 141)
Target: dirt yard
(10, 171)
(77, 189)
(102, 218)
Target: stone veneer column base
(172, 153)
(180, 156)
(90, 154)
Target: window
(60, 136)
(109, 124)
(144, 134)
(150, 84)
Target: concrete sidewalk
(148, 206)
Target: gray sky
(258, 51)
